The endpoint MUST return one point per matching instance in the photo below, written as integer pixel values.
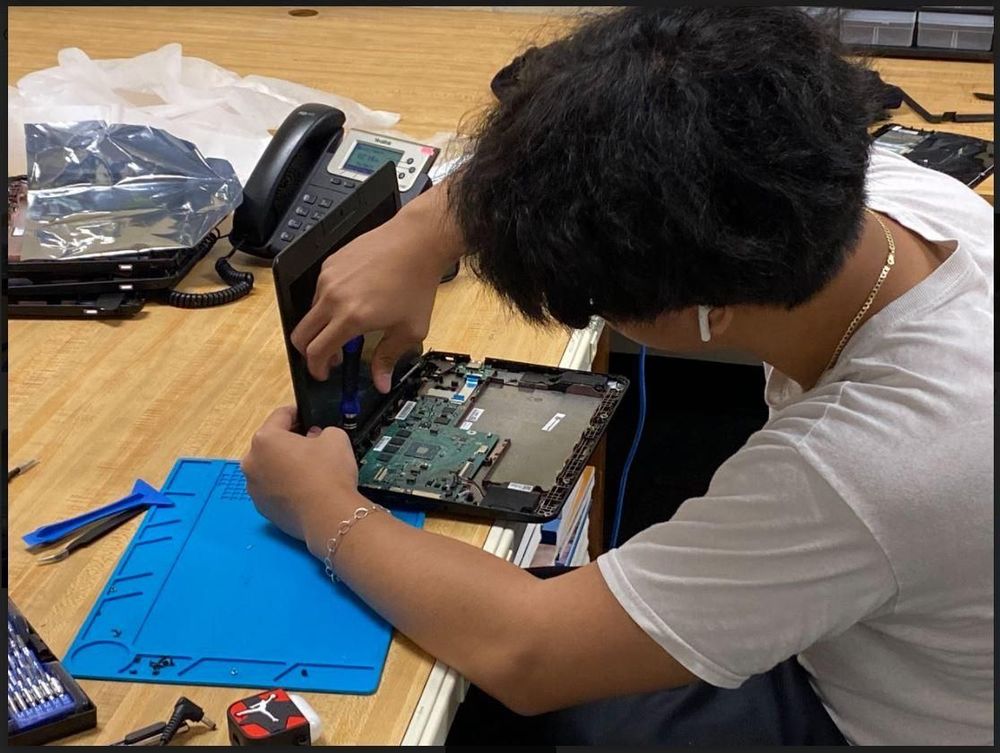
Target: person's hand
(302, 484)
(383, 280)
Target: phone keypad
(325, 190)
(310, 209)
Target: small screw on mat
(158, 664)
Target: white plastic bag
(223, 114)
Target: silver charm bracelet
(345, 525)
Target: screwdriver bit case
(84, 713)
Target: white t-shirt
(855, 529)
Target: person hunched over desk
(701, 178)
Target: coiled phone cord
(240, 283)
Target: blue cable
(623, 482)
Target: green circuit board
(429, 449)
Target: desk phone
(311, 165)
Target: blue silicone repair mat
(210, 593)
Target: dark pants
(775, 708)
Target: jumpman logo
(259, 708)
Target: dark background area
(698, 414)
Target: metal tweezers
(91, 533)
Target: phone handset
(298, 145)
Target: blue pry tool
(143, 495)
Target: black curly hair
(658, 158)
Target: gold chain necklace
(889, 261)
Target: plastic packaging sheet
(226, 115)
(189, 106)
(99, 189)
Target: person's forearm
(462, 605)
(429, 216)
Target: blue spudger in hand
(350, 405)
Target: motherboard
(493, 438)
(430, 448)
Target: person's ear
(720, 318)
(713, 321)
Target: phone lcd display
(366, 158)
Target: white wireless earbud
(704, 326)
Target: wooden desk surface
(102, 403)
